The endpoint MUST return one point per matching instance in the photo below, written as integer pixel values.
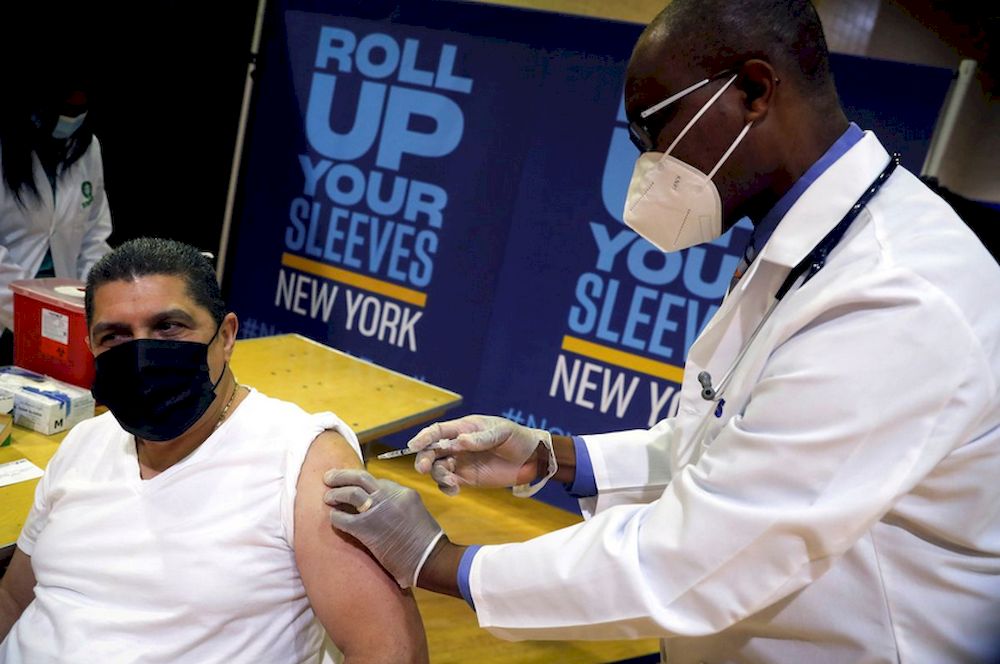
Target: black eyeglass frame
(639, 131)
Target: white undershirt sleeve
(296, 456)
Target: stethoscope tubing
(807, 268)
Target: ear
(757, 80)
(227, 331)
(86, 340)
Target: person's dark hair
(20, 138)
(52, 59)
(721, 33)
(150, 256)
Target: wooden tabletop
(16, 499)
(492, 517)
(373, 400)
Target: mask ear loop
(732, 147)
(218, 327)
(697, 116)
(224, 364)
(221, 376)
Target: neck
(156, 457)
(813, 142)
(802, 147)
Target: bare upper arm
(357, 602)
(17, 590)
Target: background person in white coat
(54, 215)
(840, 502)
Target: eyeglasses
(639, 131)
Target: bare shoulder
(331, 450)
(327, 451)
(354, 598)
(316, 542)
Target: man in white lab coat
(831, 495)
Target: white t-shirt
(193, 565)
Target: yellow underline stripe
(622, 359)
(400, 293)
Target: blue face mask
(66, 126)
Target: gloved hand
(390, 520)
(483, 451)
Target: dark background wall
(167, 87)
(168, 80)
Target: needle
(407, 451)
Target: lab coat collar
(825, 202)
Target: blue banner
(441, 192)
(376, 209)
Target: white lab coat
(76, 230)
(846, 506)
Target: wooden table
(493, 517)
(373, 400)
(376, 402)
(16, 499)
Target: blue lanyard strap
(816, 259)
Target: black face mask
(156, 389)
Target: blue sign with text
(440, 191)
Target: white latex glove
(483, 451)
(389, 519)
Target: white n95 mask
(671, 203)
(67, 125)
